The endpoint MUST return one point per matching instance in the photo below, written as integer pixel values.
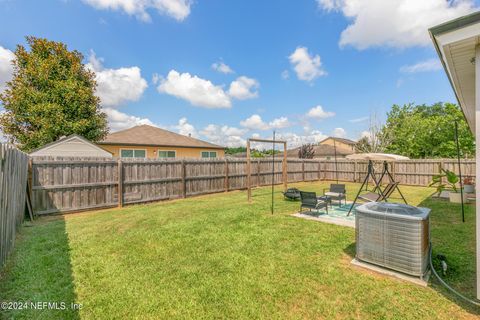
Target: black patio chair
(292, 194)
(336, 192)
(311, 202)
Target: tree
(428, 131)
(363, 145)
(306, 151)
(51, 95)
(376, 139)
(233, 150)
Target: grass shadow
(40, 271)
(350, 250)
(456, 240)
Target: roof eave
(157, 145)
(447, 27)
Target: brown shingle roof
(344, 140)
(322, 150)
(146, 135)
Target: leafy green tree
(51, 95)
(233, 150)
(428, 131)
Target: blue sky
(306, 68)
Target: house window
(166, 154)
(209, 154)
(132, 153)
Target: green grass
(218, 257)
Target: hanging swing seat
(381, 196)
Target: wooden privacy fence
(72, 184)
(13, 186)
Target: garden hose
(458, 294)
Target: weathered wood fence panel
(66, 184)
(13, 187)
(62, 185)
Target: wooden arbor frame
(249, 164)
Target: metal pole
(459, 169)
(273, 170)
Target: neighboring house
(146, 141)
(328, 148)
(71, 146)
(339, 143)
(324, 152)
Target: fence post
(319, 169)
(226, 174)
(441, 165)
(258, 172)
(120, 183)
(184, 180)
(394, 170)
(354, 171)
(303, 170)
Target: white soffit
(457, 49)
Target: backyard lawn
(216, 256)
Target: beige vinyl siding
(73, 147)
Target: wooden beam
(266, 140)
(249, 191)
(477, 158)
(284, 167)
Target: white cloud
(244, 88)
(295, 140)
(185, 128)
(422, 66)
(119, 121)
(279, 123)
(222, 67)
(357, 120)
(6, 67)
(198, 91)
(394, 23)
(177, 9)
(339, 133)
(319, 114)
(255, 122)
(224, 135)
(116, 86)
(306, 66)
(365, 134)
(285, 74)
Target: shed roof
(146, 135)
(55, 145)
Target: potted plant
(468, 185)
(451, 180)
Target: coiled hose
(458, 294)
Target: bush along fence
(72, 184)
(13, 187)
